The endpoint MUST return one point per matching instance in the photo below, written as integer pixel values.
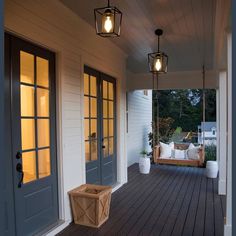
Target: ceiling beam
(173, 80)
(222, 21)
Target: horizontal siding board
(139, 123)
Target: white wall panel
(139, 124)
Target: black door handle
(20, 170)
(103, 146)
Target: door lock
(18, 155)
(20, 170)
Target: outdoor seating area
(179, 154)
(171, 200)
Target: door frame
(100, 75)
(56, 130)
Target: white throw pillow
(191, 146)
(180, 154)
(193, 153)
(172, 145)
(165, 150)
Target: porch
(171, 200)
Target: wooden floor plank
(148, 228)
(182, 215)
(179, 207)
(133, 224)
(209, 216)
(219, 212)
(171, 200)
(190, 219)
(172, 205)
(198, 229)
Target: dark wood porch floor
(169, 201)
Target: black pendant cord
(157, 109)
(203, 102)
(108, 3)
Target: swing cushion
(166, 150)
(180, 154)
(193, 152)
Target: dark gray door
(33, 130)
(99, 127)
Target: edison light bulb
(158, 64)
(108, 22)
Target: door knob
(103, 146)
(20, 170)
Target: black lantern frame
(158, 61)
(115, 13)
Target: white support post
(218, 126)
(222, 131)
(228, 223)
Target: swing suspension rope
(155, 123)
(203, 103)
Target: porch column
(228, 223)
(2, 156)
(222, 131)
(218, 126)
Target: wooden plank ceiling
(188, 30)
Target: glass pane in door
(27, 100)
(42, 72)
(35, 116)
(44, 164)
(43, 102)
(26, 68)
(29, 166)
(27, 134)
(43, 133)
(90, 118)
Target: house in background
(207, 133)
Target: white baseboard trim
(116, 187)
(58, 229)
(222, 187)
(228, 230)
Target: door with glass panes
(30, 80)
(99, 127)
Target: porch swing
(185, 160)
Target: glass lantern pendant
(108, 21)
(158, 61)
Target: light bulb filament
(108, 24)
(158, 65)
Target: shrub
(210, 153)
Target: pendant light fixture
(108, 21)
(158, 61)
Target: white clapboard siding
(52, 25)
(139, 124)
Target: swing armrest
(156, 153)
(201, 155)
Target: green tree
(184, 107)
